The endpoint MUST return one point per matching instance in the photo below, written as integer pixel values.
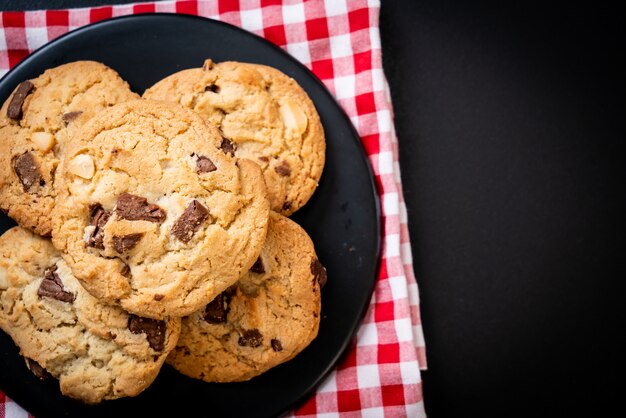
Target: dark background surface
(510, 119)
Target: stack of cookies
(153, 230)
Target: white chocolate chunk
(88, 232)
(82, 165)
(294, 117)
(44, 140)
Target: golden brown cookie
(96, 351)
(154, 212)
(266, 319)
(266, 114)
(34, 124)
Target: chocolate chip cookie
(267, 318)
(154, 212)
(34, 124)
(96, 351)
(268, 117)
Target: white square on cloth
(252, 19)
(367, 376)
(335, 7)
(293, 13)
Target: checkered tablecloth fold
(339, 41)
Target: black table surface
(509, 119)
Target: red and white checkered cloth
(339, 41)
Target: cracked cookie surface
(96, 351)
(266, 114)
(154, 212)
(266, 319)
(36, 121)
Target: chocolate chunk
(213, 87)
(264, 159)
(276, 345)
(190, 221)
(251, 338)
(70, 116)
(137, 208)
(228, 147)
(287, 205)
(217, 311)
(158, 297)
(283, 169)
(52, 286)
(122, 243)
(125, 271)
(205, 165)
(319, 272)
(37, 370)
(27, 171)
(99, 217)
(14, 110)
(258, 266)
(154, 330)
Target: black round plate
(342, 218)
